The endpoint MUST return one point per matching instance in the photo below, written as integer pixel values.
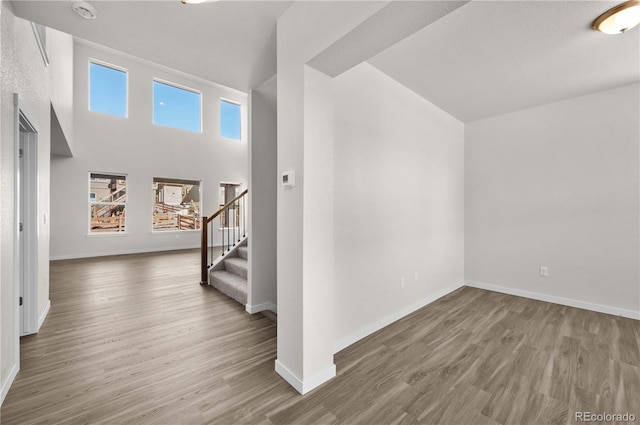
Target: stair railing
(232, 225)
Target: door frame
(26, 245)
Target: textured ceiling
(229, 42)
(482, 59)
(492, 57)
(391, 24)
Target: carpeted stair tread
(243, 252)
(230, 284)
(237, 266)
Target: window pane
(228, 191)
(107, 90)
(176, 204)
(107, 218)
(176, 107)
(107, 203)
(108, 188)
(229, 120)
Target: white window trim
(181, 87)
(115, 68)
(91, 203)
(162, 232)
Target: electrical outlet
(402, 282)
(544, 271)
(416, 278)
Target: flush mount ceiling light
(619, 19)
(84, 9)
(194, 1)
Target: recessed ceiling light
(84, 9)
(619, 19)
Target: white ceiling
(229, 42)
(391, 24)
(492, 57)
(483, 59)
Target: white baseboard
(43, 315)
(344, 342)
(557, 300)
(301, 386)
(120, 252)
(253, 309)
(8, 382)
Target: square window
(107, 90)
(230, 120)
(176, 204)
(177, 107)
(107, 203)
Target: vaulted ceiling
(229, 42)
(492, 57)
(481, 59)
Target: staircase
(229, 276)
(227, 272)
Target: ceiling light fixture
(84, 10)
(619, 19)
(192, 1)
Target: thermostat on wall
(289, 179)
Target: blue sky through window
(229, 120)
(107, 90)
(176, 107)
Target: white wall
(558, 186)
(318, 210)
(399, 202)
(142, 150)
(22, 72)
(60, 50)
(262, 194)
(304, 341)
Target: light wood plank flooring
(136, 340)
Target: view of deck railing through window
(176, 204)
(107, 202)
(231, 216)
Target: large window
(230, 123)
(177, 107)
(107, 89)
(107, 202)
(176, 204)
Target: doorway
(26, 224)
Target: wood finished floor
(136, 340)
